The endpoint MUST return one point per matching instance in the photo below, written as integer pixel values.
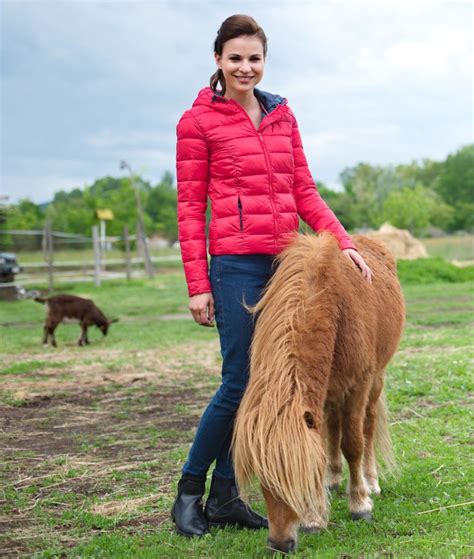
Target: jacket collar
(269, 100)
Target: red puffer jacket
(258, 182)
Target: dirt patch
(153, 520)
(100, 368)
(94, 441)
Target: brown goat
(70, 308)
(322, 341)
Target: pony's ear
(111, 321)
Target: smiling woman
(241, 57)
(241, 62)
(240, 147)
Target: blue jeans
(234, 279)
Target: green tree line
(416, 196)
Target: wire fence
(56, 257)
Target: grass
(431, 270)
(453, 247)
(94, 438)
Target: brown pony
(322, 341)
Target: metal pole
(141, 228)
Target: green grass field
(93, 438)
(454, 247)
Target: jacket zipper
(270, 175)
(241, 220)
(269, 171)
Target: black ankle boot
(187, 511)
(224, 507)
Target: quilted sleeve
(311, 207)
(192, 165)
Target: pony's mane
(277, 435)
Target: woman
(240, 147)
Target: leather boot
(187, 511)
(224, 507)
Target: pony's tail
(283, 451)
(383, 441)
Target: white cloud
(41, 188)
(108, 138)
(86, 84)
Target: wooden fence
(69, 257)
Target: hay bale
(400, 242)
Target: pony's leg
(282, 524)
(333, 429)
(352, 444)
(370, 462)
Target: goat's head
(104, 327)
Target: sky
(85, 84)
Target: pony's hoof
(334, 487)
(366, 516)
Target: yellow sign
(105, 214)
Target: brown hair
(322, 340)
(235, 26)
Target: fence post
(148, 265)
(96, 243)
(48, 254)
(142, 250)
(128, 267)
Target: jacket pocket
(241, 219)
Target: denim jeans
(234, 279)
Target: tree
(26, 215)
(161, 207)
(426, 173)
(366, 188)
(340, 203)
(455, 184)
(416, 209)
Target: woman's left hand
(359, 262)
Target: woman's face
(242, 63)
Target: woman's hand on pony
(359, 262)
(202, 308)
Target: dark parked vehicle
(8, 267)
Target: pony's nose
(286, 546)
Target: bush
(431, 270)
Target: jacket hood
(208, 97)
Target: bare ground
(96, 433)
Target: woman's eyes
(236, 58)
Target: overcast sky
(88, 83)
